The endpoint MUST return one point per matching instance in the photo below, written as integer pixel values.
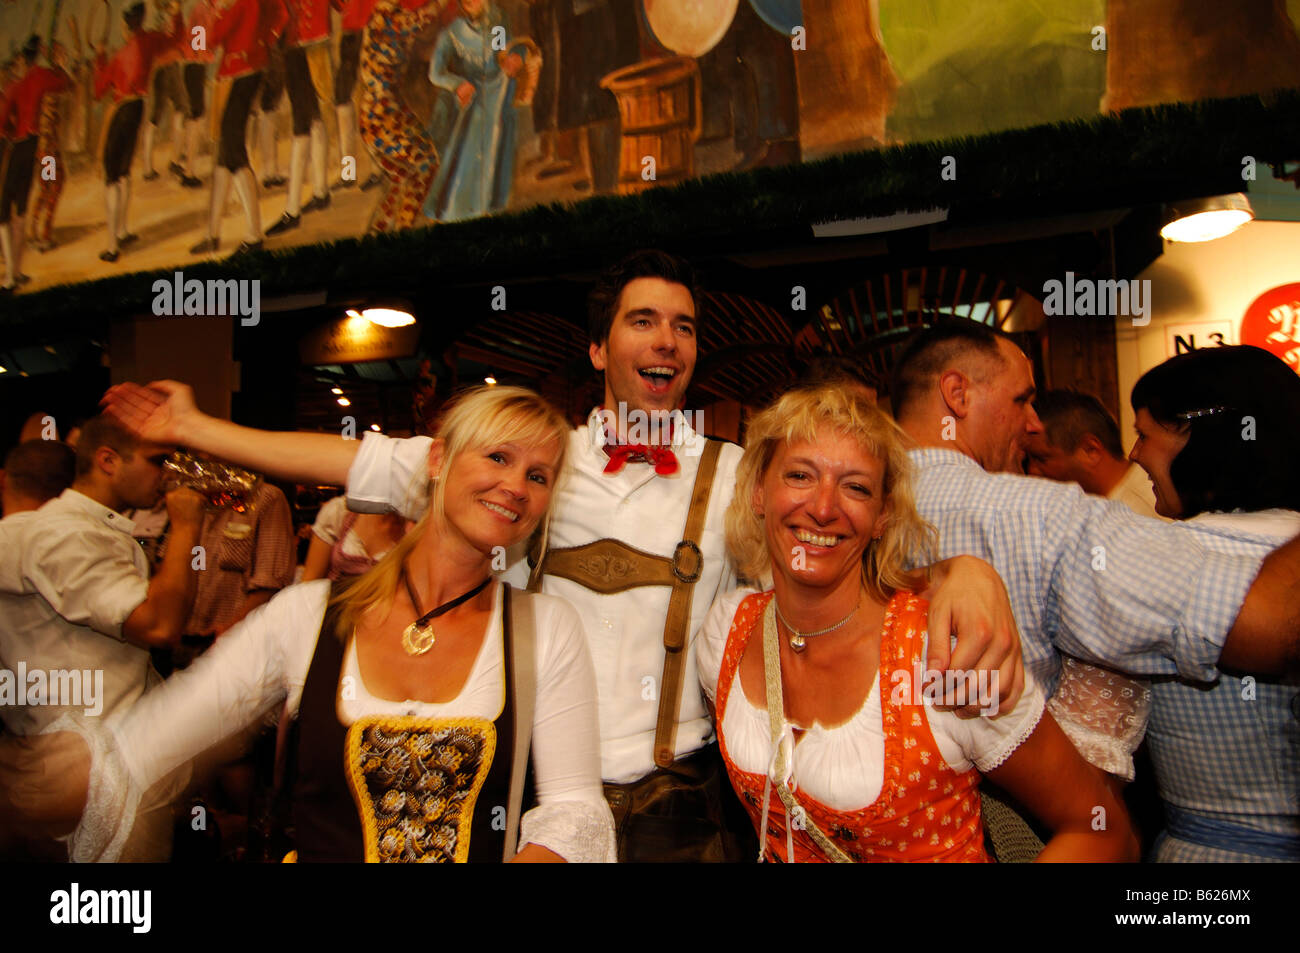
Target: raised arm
(165, 412)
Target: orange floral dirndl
(926, 811)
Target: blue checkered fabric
(1228, 751)
(1088, 576)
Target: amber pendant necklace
(418, 637)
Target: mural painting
(137, 136)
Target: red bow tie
(664, 460)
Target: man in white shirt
(1080, 444)
(620, 518)
(78, 611)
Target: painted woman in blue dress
(478, 164)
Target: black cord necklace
(418, 637)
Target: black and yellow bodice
(416, 783)
(396, 789)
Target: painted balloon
(689, 27)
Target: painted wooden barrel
(659, 112)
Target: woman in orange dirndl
(825, 714)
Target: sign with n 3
(1181, 338)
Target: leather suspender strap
(517, 617)
(686, 570)
(776, 724)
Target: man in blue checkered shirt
(1086, 576)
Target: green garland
(1138, 157)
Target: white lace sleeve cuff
(1023, 719)
(579, 831)
(1103, 713)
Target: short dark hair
(103, 431)
(40, 469)
(934, 350)
(602, 302)
(834, 369)
(1209, 392)
(31, 48)
(1068, 416)
(134, 16)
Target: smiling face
(825, 497)
(495, 495)
(1154, 452)
(649, 355)
(1002, 419)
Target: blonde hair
(477, 418)
(798, 415)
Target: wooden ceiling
(750, 351)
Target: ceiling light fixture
(387, 314)
(336, 390)
(344, 402)
(490, 381)
(1203, 220)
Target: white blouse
(843, 767)
(262, 663)
(329, 522)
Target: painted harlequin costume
(390, 131)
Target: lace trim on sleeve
(580, 832)
(993, 760)
(1103, 713)
(112, 798)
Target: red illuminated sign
(1273, 322)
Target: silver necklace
(799, 640)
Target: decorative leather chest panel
(416, 782)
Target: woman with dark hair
(1218, 432)
(1231, 416)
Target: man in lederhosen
(245, 31)
(353, 16)
(21, 107)
(127, 75)
(309, 81)
(628, 545)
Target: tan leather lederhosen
(610, 565)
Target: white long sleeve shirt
(70, 576)
(624, 630)
(263, 662)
